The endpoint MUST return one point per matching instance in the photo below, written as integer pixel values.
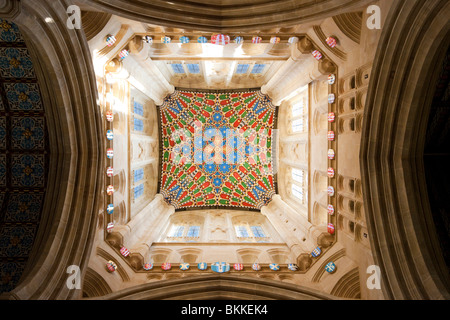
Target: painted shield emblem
(202, 266)
(166, 39)
(330, 135)
(110, 172)
(292, 267)
(220, 39)
(238, 40)
(148, 39)
(331, 79)
(109, 135)
(256, 40)
(148, 266)
(256, 266)
(330, 172)
(330, 191)
(317, 55)
(330, 228)
(110, 208)
(184, 39)
(184, 266)
(331, 42)
(275, 40)
(109, 116)
(274, 266)
(124, 251)
(330, 267)
(202, 39)
(110, 190)
(220, 267)
(330, 209)
(316, 252)
(330, 154)
(331, 98)
(293, 40)
(110, 227)
(123, 54)
(238, 266)
(111, 266)
(109, 153)
(166, 266)
(110, 40)
(331, 117)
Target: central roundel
(217, 149)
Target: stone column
(291, 226)
(299, 70)
(148, 232)
(160, 86)
(130, 233)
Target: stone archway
(397, 208)
(75, 134)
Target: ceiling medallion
(217, 149)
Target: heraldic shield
(220, 267)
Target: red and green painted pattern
(242, 176)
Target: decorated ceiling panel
(24, 152)
(217, 149)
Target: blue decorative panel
(2, 132)
(9, 32)
(24, 207)
(24, 155)
(27, 133)
(10, 272)
(16, 63)
(16, 240)
(2, 170)
(27, 170)
(23, 96)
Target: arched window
(298, 118)
(298, 184)
(250, 233)
(183, 233)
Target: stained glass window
(298, 175)
(138, 191)
(258, 68)
(257, 231)
(138, 108)
(241, 231)
(298, 125)
(193, 232)
(193, 67)
(177, 231)
(138, 175)
(177, 68)
(297, 192)
(242, 68)
(298, 109)
(138, 125)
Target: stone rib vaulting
(231, 149)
